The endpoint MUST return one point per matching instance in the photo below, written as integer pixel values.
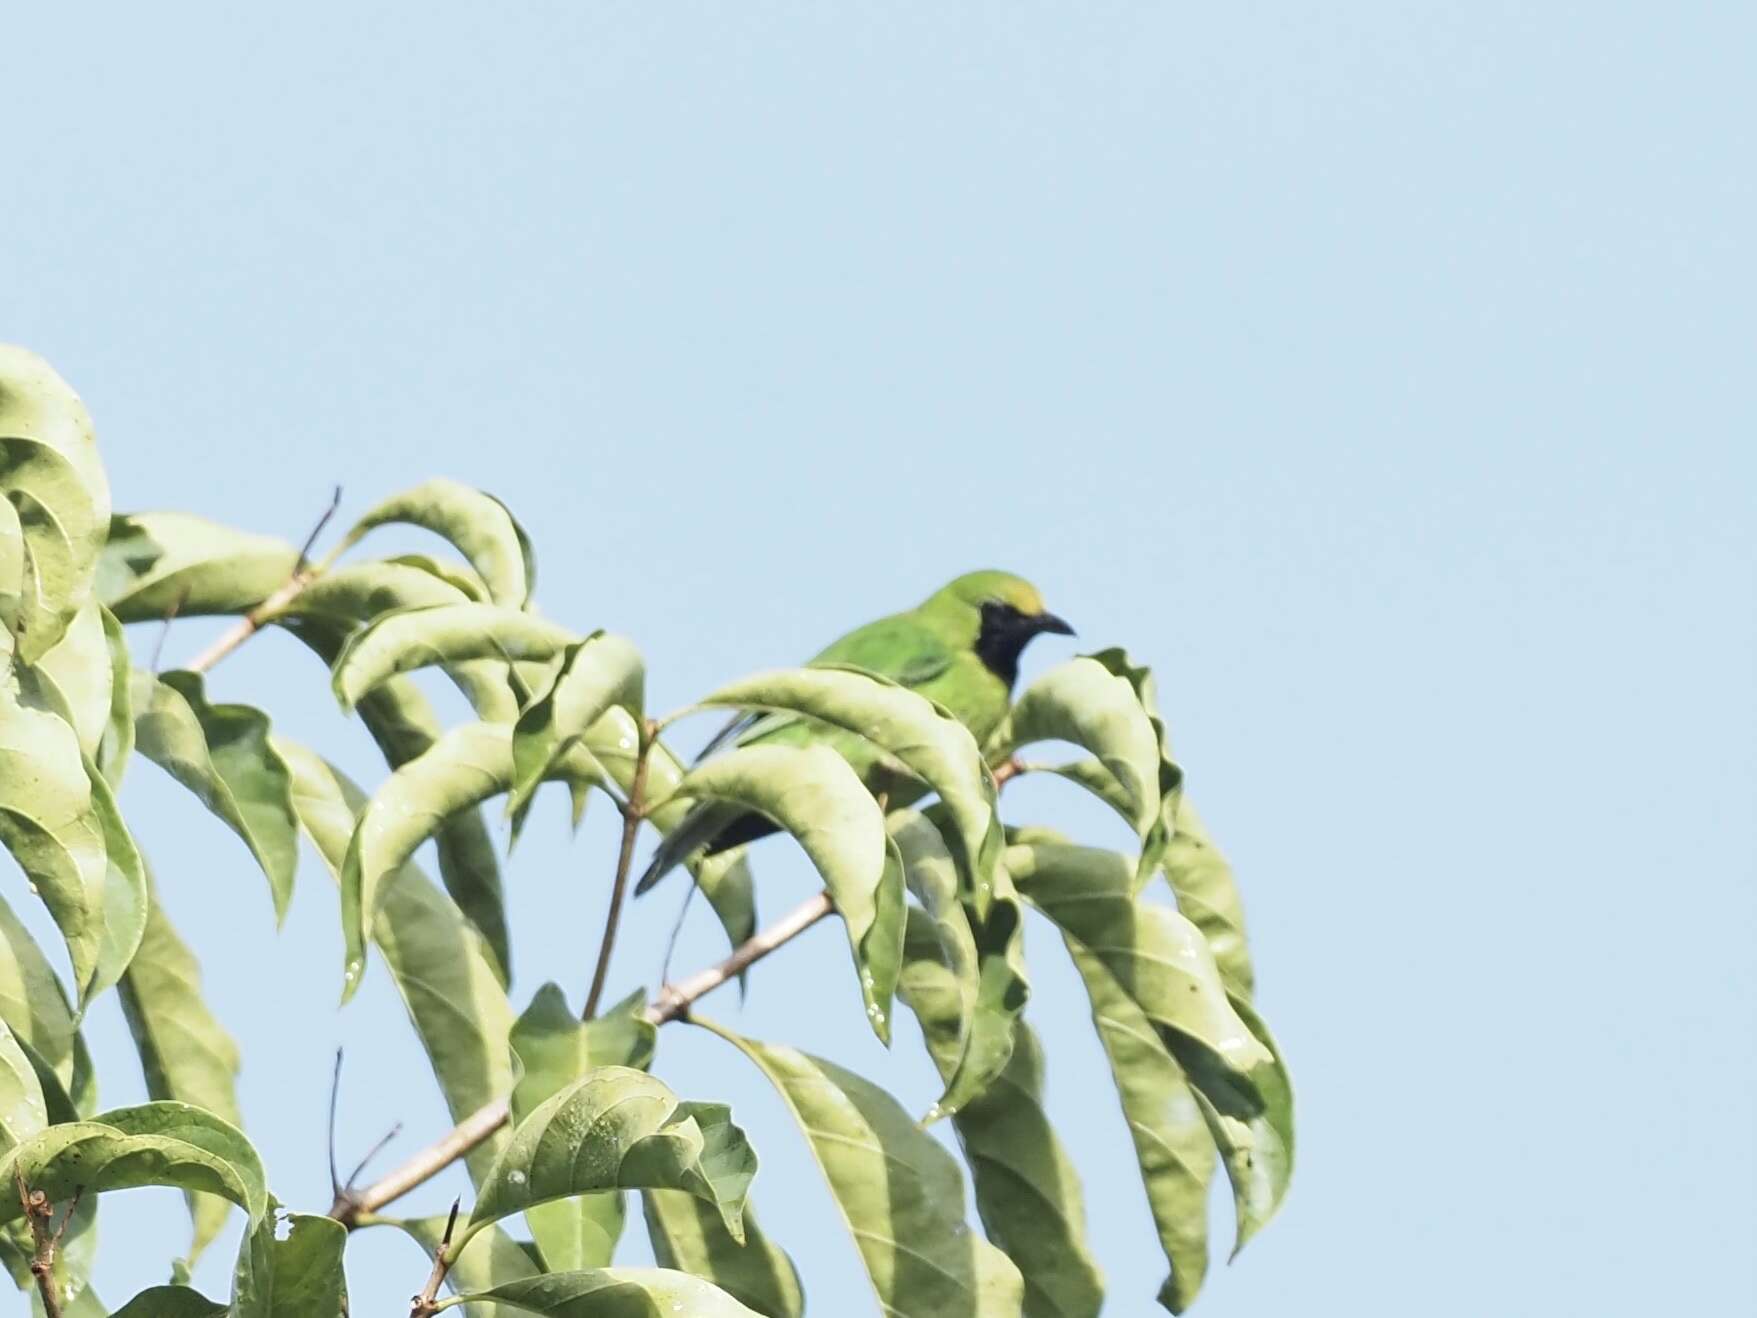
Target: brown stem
(673, 1002)
(422, 1305)
(631, 827)
(39, 1212)
(1006, 771)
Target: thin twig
(252, 622)
(631, 826)
(422, 1305)
(39, 1212)
(1007, 770)
(378, 1148)
(165, 629)
(335, 1089)
(674, 1000)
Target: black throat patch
(1004, 635)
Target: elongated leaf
(223, 754)
(555, 1048)
(898, 1190)
(48, 823)
(618, 1127)
(812, 793)
(439, 963)
(125, 888)
(462, 769)
(356, 593)
(1257, 1150)
(1206, 893)
(1027, 1191)
(117, 742)
(477, 523)
(155, 564)
(491, 1258)
(185, 1053)
(1159, 957)
(1083, 702)
(32, 1002)
(1158, 835)
(78, 667)
(51, 476)
(597, 673)
(23, 1111)
(689, 1236)
(612, 1293)
(1166, 1124)
(291, 1267)
(171, 1302)
(411, 639)
(403, 723)
(153, 1144)
(924, 737)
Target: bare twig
(247, 626)
(631, 825)
(335, 1089)
(673, 1002)
(40, 1213)
(422, 1305)
(165, 628)
(378, 1148)
(1006, 771)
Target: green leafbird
(960, 647)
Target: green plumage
(959, 647)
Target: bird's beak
(1048, 622)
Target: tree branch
(631, 826)
(422, 1305)
(39, 1212)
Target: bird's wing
(898, 647)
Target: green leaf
(440, 964)
(59, 500)
(595, 674)
(1083, 702)
(612, 1293)
(477, 523)
(490, 1258)
(155, 564)
(356, 593)
(48, 822)
(32, 1003)
(23, 1111)
(117, 742)
(689, 1236)
(462, 769)
(79, 669)
(1206, 893)
(403, 723)
(812, 793)
(1158, 956)
(171, 1302)
(125, 888)
(1257, 1149)
(555, 1048)
(297, 1274)
(925, 738)
(899, 1191)
(410, 639)
(1159, 833)
(1027, 1191)
(185, 1053)
(223, 754)
(1166, 1124)
(619, 1127)
(153, 1144)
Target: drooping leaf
(224, 755)
(689, 1236)
(297, 1274)
(185, 1053)
(491, 1258)
(125, 888)
(60, 502)
(1159, 957)
(451, 634)
(1083, 702)
(555, 1048)
(32, 1002)
(1158, 835)
(923, 737)
(402, 722)
(812, 793)
(619, 1128)
(156, 564)
(439, 963)
(78, 667)
(462, 769)
(1206, 893)
(171, 1302)
(117, 741)
(1256, 1149)
(1172, 1144)
(1027, 1191)
(162, 1143)
(597, 673)
(612, 1293)
(899, 1191)
(23, 1111)
(477, 523)
(48, 823)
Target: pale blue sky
(1382, 374)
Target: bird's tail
(709, 828)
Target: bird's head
(1001, 613)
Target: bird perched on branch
(960, 646)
